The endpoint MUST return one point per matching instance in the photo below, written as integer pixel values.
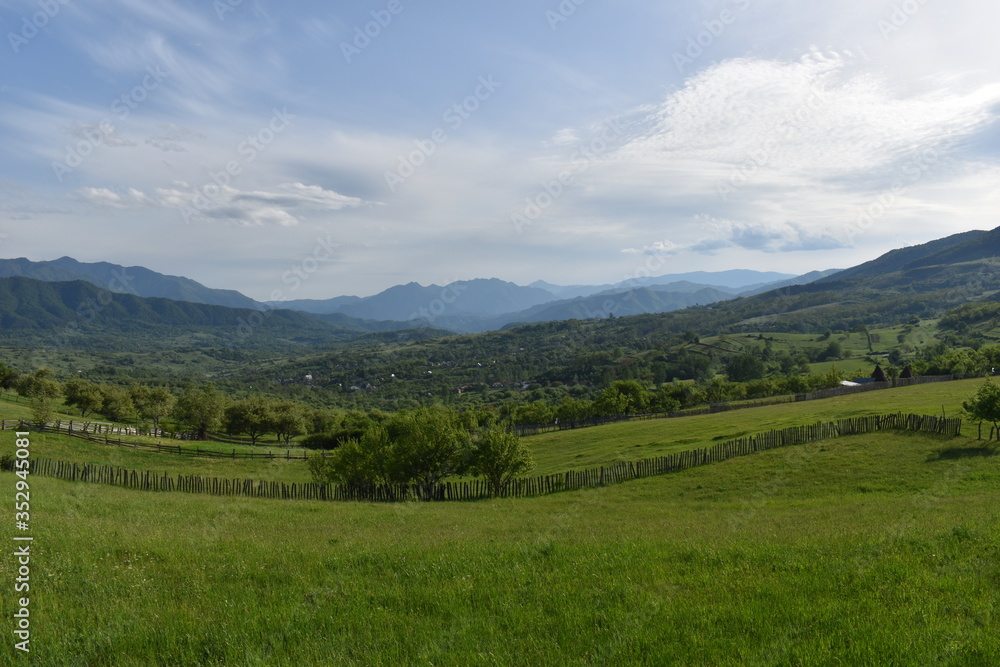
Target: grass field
(863, 550)
(553, 452)
(629, 441)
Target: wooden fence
(103, 437)
(478, 490)
(726, 406)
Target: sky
(305, 149)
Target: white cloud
(106, 198)
(282, 207)
(815, 118)
(653, 249)
(720, 234)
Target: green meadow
(865, 550)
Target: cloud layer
(222, 144)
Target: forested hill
(135, 280)
(948, 250)
(79, 314)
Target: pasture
(873, 549)
(860, 550)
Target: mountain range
(462, 306)
(114, 303)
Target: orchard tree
(357, 462)
(42, 390)
(984, 405)
(8, 377)
(289, 420)
(153, 403)
(745, 367)
(84, 395)
(200, 408)
(428, 445)
(498, 455)
(253, 416)
(623, 397)
(40, 384)
(116, 403)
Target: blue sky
(313, 149)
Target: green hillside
(842, 551)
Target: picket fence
(479, 490)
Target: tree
(832, 351)
(745, 367)
(253, 415)
(289, 420)
(499, 456)
(428, 445)
(8, 377)
(984, 405)
(622, 397)
(358, 461)
(83, 394)
(116, 403)
(40, 384)
(41, 389)
(200, 408)
(153, 403)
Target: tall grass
(879, 549)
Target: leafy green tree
(499, 456)
(745, 367)
(623, 397)
(153, 403)
(289, 420)
(40, 384)
(537, 412)
(984, 405)
(358, 461)
(832, 351)
(8, 377)
(42, 390)
(428, 445)
(84, 395)
(116, 403)
(572, 409)
(200, 408)
(253, 416)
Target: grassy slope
(866, 550)
(585, 448)
(553, 452)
